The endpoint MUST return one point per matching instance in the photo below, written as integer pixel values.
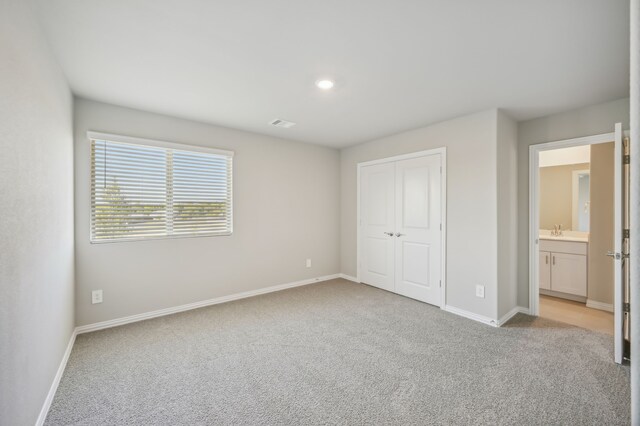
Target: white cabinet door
(545, 270)
(418, 244)
(377, 221)
(569, 273)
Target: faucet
(557, 230)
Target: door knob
(613, 254)
(399, 234)
(388, 233)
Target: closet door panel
(418, 234)
(377, 221)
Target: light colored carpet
(340, 353)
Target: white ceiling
(397, 64)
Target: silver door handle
(613, 254)
(388, 233)
(399, 234)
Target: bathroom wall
(600, 287)
(556, 193)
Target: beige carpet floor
(340, 353)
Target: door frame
(443, 209)
(534, 204)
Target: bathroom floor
(576, 313)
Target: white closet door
(377, 220)
(418, 228)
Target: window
(143, 189)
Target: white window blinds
(144, 189)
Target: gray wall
(286, 197)
(36, 229)
(507, 187)
(471, 202)
(591, 120)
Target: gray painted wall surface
(471, 202)
(507, 187)
(591, 120)
(286, 197)
(36, 229)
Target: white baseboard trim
(599, 305)
(471, 315)
(189, 306)
(56, 380)
(506, 317)
(349, 278)
(567, 296)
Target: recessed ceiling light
(324, 84)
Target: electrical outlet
(308, 263)
(480, 291)
(96, 296)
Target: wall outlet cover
(96, 296)
(480, 291)
(308, 263)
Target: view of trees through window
(146, 192)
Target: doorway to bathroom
(577, 218)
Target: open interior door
(626, 270)
(619, 251)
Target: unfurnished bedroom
(313, 213)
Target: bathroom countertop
(574, 236)
(565, 238)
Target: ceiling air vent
(282, 123)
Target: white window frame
(92, 135)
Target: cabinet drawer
(570, 247)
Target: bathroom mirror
(580, 206)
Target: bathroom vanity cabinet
(563, 268)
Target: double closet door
(400, 244)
